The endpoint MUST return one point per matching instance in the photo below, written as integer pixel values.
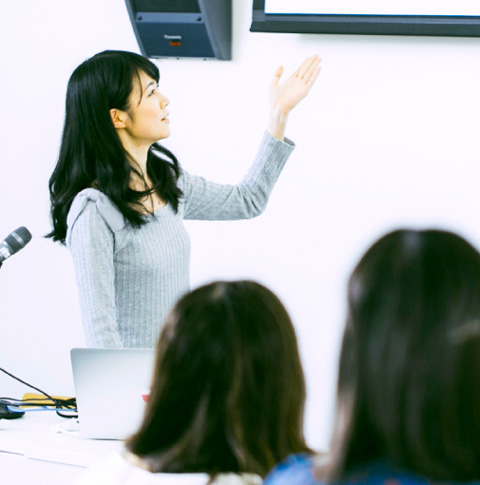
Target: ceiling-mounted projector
(183, 28)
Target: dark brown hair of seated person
(409, 379)
(228, 389)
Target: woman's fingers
(285, 96)
(313, 77)
(308, 71)
(306, 67)
(312, 73)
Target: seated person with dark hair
(408, 390)
(227, 395)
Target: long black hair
(91, 154)
(409, 383)
(228, 390)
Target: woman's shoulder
(92, 201)
(296, 469)
(299, 470)
(235, 479)
(113, 470)
(382, 472)
(116, 469)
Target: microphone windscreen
(18, 239)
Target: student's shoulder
(113, 470)
(296, 469)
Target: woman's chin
(164, 135)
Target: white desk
(31, 451)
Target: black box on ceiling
(183, 28)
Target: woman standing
(119, 198)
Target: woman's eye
(154, 90)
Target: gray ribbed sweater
(129, 278)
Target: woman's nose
(164, 101)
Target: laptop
(110, 388)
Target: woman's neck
(139, 179)
(137, 150)
(141, 182)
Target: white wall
(387, 138)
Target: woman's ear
(118, 118)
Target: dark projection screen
(460, 18)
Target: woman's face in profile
(147, 120)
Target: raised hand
(284, 97)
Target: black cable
(10, 401)
(58, 403)
(27, 384)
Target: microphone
(15, 241)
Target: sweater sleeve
(91, 241)
(212, 201)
